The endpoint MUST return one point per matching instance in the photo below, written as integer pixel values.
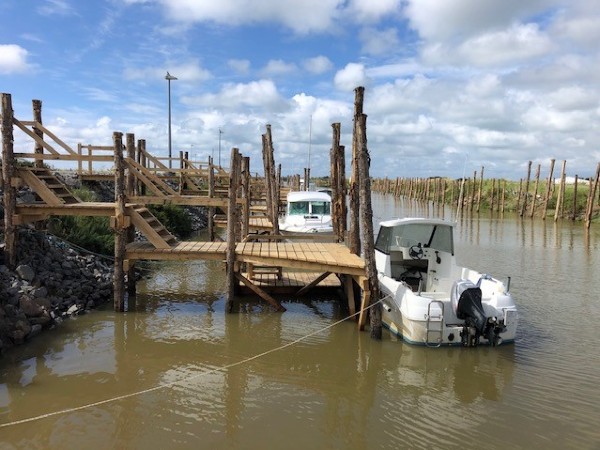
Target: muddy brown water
(181, 373)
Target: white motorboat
(428, 299)
(307, 212)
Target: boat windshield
(316, 207)
(434, 236)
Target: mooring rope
(174, 383)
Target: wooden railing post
(211, 194)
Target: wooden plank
(313, 283)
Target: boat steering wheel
(416, 252)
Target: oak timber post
(354, 227)
(211, 194)
(130, 233)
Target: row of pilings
(575, 199)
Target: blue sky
(451, 85)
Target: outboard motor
(466, 303)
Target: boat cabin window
(438, 237)
(303, 208)
(298, 208)
(320, 207)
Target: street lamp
(170, 77)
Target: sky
(450, 85)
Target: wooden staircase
(47, 186)
(150, 180)
(150, 226)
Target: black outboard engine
(466, 302)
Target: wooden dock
(248, 206)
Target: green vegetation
(174, 218)
(91, 233)
(95, 234)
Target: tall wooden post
(535, 190)
(274, 191)
(231, 226)
(591, 197)
(266, 163)
(548, 189)
(336, 212)
(10, 193)
(354, 227)
(561, 192)
(211, 194)
(130, 236)
(574, 213)
(526, 193)
(246, 196)
(37, 118)
(366, 218)
(143, 162)
(119, 224)
(342, 220)
(480, 189)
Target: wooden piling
(231, 226)
(366, 218)
(354, 226)
(10, 194)
(336, 212)
(274, 188)
(119, 224)
(130, 234)
(561, 192)
(211, 194)
(535, 190)
(591, 197)
(526, 192)
(548, 189)
(480, 189)
(245, 196)
(574, 208)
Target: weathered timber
(119, 225)
(354, 226)
(561, 192)
(10, 194)
(231, 226)
(549, 187)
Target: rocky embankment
(51, 282)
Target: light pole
(170, 77)
(220, 133)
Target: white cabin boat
(428, 298)
(307, 212)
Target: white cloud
(373, 10)
(505, 47)
(256, 94)
(302, 17)
(187, 72)
(277, 67)
(350, 77)
(55, 7)
(241, 66)
(13, 59)
(318, 64)
(379, 42)
(450, 19)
